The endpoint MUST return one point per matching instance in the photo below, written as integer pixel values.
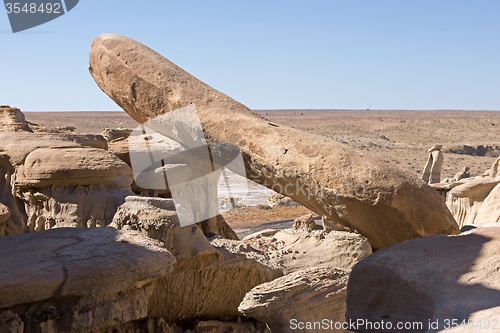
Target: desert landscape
(116, 222)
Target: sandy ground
(400, 137)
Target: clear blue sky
(391, 54)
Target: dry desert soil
(401, 137)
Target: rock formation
(111, 134)
(298, 248)
(307, 296)
(383, 203)
(193, 290)
(4, 215)
(432, 170)
(12, 120)
(474, 200)
(72, 187)
(436, 278)
(70, 279)
(279, 200)
(53, 180)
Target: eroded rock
(206, 282)
(71, 279)
(307, 296)
(432, 278)
(294, 249)
(384, 203)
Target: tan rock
(279, 200)
(432, 278)
(72, 187)
(465, 200)
(67, 262)
(156, 218)
(111, 134)
(291, 250)
(12, 120)
(16, 223)
(18, 145)
(306, 296)
(385, 204)
(4, 215)
(206, 282)
(101, 274)
(331, 225)
(306, 223)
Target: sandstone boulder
(312, 295)
(292, 249)
(70, 279)
(384, 203)
(436, 278)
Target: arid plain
(401, 137)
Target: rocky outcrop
(307, 296)
(18, 145)
(72, 187)
(12, 120)
(111, 134)
(71, 279)
(479, 150)
(384, 203)
(434, 279)
(432, 169)
(295, 249)
(279, 200)
(193, 290)
(217, 226)
(465, 200)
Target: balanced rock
(307, 297)
(70, 279)
(436, 278)
(384, 203)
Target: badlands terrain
(105, 232)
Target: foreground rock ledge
(389, 205)
(433, 278)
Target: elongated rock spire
(384, 203)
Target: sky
(351, 54)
